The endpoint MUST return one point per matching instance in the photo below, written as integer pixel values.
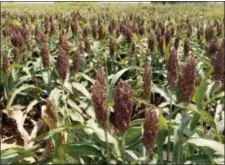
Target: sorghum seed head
(64, 43)
(123, 106)
(209, 33)
(141, 30)
(212, 48)
(99, 96)
(45, 54)
(151, 42)
(172, 31)
(63, 58)
(74, 28)
(217, 62)
(161, 45)
(37, 33)
(5, 63)
(51, 113)
(81, 48)
(16, 52)
(110, 29)
(176, 42)
(199, 34)
(47, 27)
(76, 60)
(187, 80)
(162, 29)
(172, 70)
(85, 32)
(186, 47)
(94, 30)
(17, 40)
(52, 29)
(62, 64)
(147, 80)
(43, 38)
(153, 24)
(101, 32)
(128, 34)
(87, 48)
(151, 125)
(167, 37)
(112, 47)
(113, 22)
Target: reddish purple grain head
(177, 42)
(16, 53)
(45, 54)
(63, 58)
(94, 30)
(172, 67)
(101, 32)
(76, 60)
(5, 63)
(99, 97)
(161, 45)
(217, 62)
(147, 77)
(187, 80)
(85, 32)
(209, 33)
(74, 28)
(186, 47)
(151, 126)
(167, 37)
(151, 43)
(112, 47)
(87, 47)
(123, 106)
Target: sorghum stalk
(172, 76)
(169, 129)
(99, 96)
(186, 84)
(112, 50)
(123, 110)
(123, 148)
(50, 117)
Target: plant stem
(123, 148)
(107, 146)
(144, 152)
(49, 79)
(148, 156)
(7, 84)
(113, 69)
(169, 126)
(67, 115)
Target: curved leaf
(201, 142)
(77, 150)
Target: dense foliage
(97, 83)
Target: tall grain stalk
(169, 127)
(99, 96)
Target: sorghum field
(99, 83)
